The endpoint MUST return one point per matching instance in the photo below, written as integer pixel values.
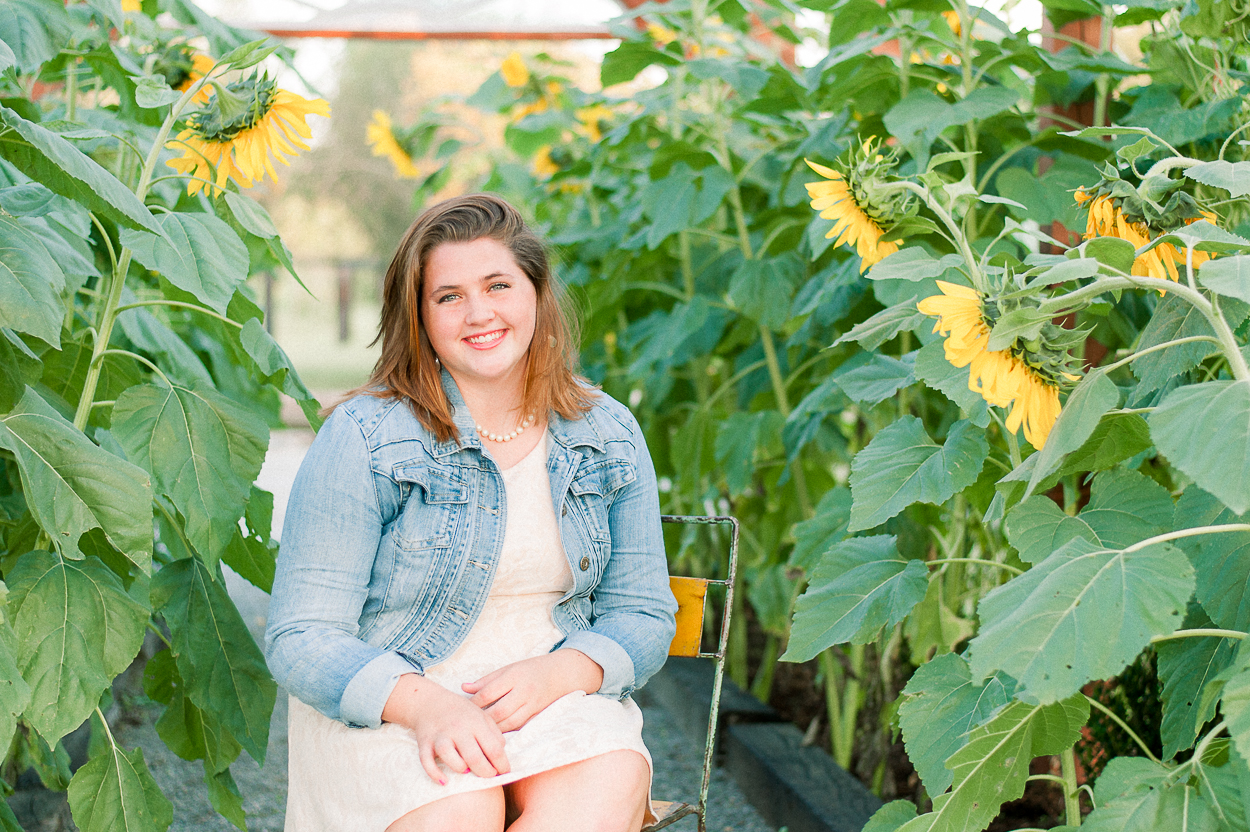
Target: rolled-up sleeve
(330, 537)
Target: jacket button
(585, 563)
(564, 511)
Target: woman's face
(479, 310)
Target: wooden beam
(381, 34)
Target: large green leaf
(1081, 414)
(35, 30)
(1204, 430)
(891, 816)
(913, 263)
(1229, 276)
(737, 441)
(115, 792)
(273, 363)
(816, 535)
(1140, 795)
(1186, 665)
(1083, 613)
(253, 555)
(1221, 561)
(52, 161)
(941, 706)
(876, 379)
(1173, 319)
(902, 465)
(1235, 701)
(224, 670)
(1233, 177)
(203, 451)
(935, 371)
(993, 766)
(1037, 527)
(198, 253)
(631, 57)
(933, 628)
(14, 692)
(1125, 507)
(860, 585)
(763, 289)
(30, 284)
(1118, 437)
(76, 629)
(73, 486)
(884, 325)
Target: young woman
(472, 578)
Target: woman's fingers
(446, 749)
(492, 745)
(491, 692)
(515, 718)
(431, 766)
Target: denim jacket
(392, 538)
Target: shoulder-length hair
(408, 366)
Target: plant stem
(687, 267)
(1004, 566)
(99, 357)
(1183, 533)
(1127, 359)
(71, 88)
(1201, 632)
(1102, 85)
(1071, 794)
(1123, 727)
(180, 305)
(762, 686)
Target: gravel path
(677, 757)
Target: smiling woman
(461, 614)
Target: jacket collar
(570, 433)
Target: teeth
(482, 339)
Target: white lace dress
(365, 779)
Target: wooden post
(345, 273)
(269, 304)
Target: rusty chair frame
(691, 594)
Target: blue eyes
(450, 296)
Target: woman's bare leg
(607, 793)
(481, 809)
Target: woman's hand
(447, 726)
(513, 694)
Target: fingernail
(442, 782)
(466, 771)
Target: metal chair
(691, 594)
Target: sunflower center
(234, 109)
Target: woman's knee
(605, 794)
(482, 809)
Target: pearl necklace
(506, 437)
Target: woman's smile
(486, 340)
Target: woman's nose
(478, 309)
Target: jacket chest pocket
(592, 492)
(434, 503)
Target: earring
(551, 341)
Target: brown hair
(408, 366)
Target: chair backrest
(691, 594)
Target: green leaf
(249, 54)
(993, 766)
(1186, 665)
(814, 536)
(763, 289)
(1037, 527)
(1204, 236)
(73, 486)
(76, 630)
(1204, 430)
(914, 264)
(251, 215)
(198, 253)
(224, 795)
(1126, 507)
(254, 555)
(1139, 794)
(1222, 561)
(902, 465)
(940, 708)
(115, 792)
(884, 325)
(631, 57)
(1235, 701)
(203, 450)
(1116, 254)
(1175, 318)
(52, 161)
(224, 670)
(1118, 437)
(14, 692)
(30, 284)
(891, 816)
(1229, 276)
(1080, 416)
(1083, 613)
(34, 31)
(876, 379)
(737, 440)
(935, 371)
(1142, 147)
(1233, 177)
(1025, 323)
(273, 363)
(194, 734)
(152, 92)
(860, 585)
(933, 628)
(18, 367)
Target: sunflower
(592, 119)
(1004, 378)
(237, 132)
(132, 6)
(662, 35)
(514, 71)
(544, 166)
(380, 135)
(836, 200)
(200, 66)
(1110, 215)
